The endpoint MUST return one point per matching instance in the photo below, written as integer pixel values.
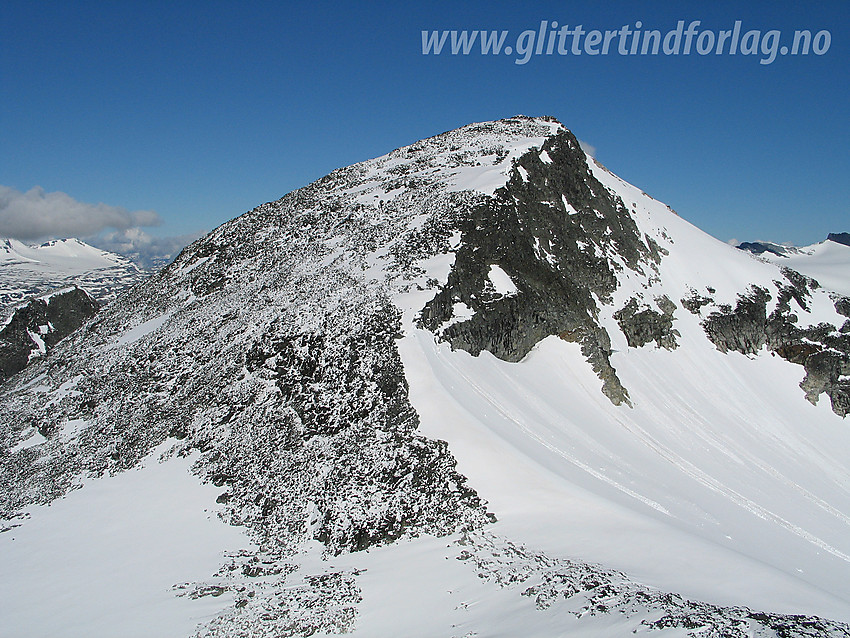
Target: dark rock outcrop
(744, 328)
(824, 372)
(642, 326)
(823, 350)
(842, 306)
(36, 327)
(839, 238)
(551, 229)
(695, 301)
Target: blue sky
(200, 111)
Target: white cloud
(37, 214)
(587, 148)
(141, 247)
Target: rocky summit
(477, 385)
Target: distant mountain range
(31, 271)
(783, 250)
(761, 247)
(828, 261)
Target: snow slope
(676, 492)
(719, 483)
(104, 561)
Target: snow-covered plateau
(30, 271)
(478, 386)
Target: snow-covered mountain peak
(475, 157)
(481, 347)
(68, 255)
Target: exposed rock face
(829, 371)
(553, 229)
(743, 328)
(839, 238)
(346, 441)
(642, 326)
(823, 349)
(759, 247)
(308, 430)
(842, 306)
(39, 325)
(695, 301)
